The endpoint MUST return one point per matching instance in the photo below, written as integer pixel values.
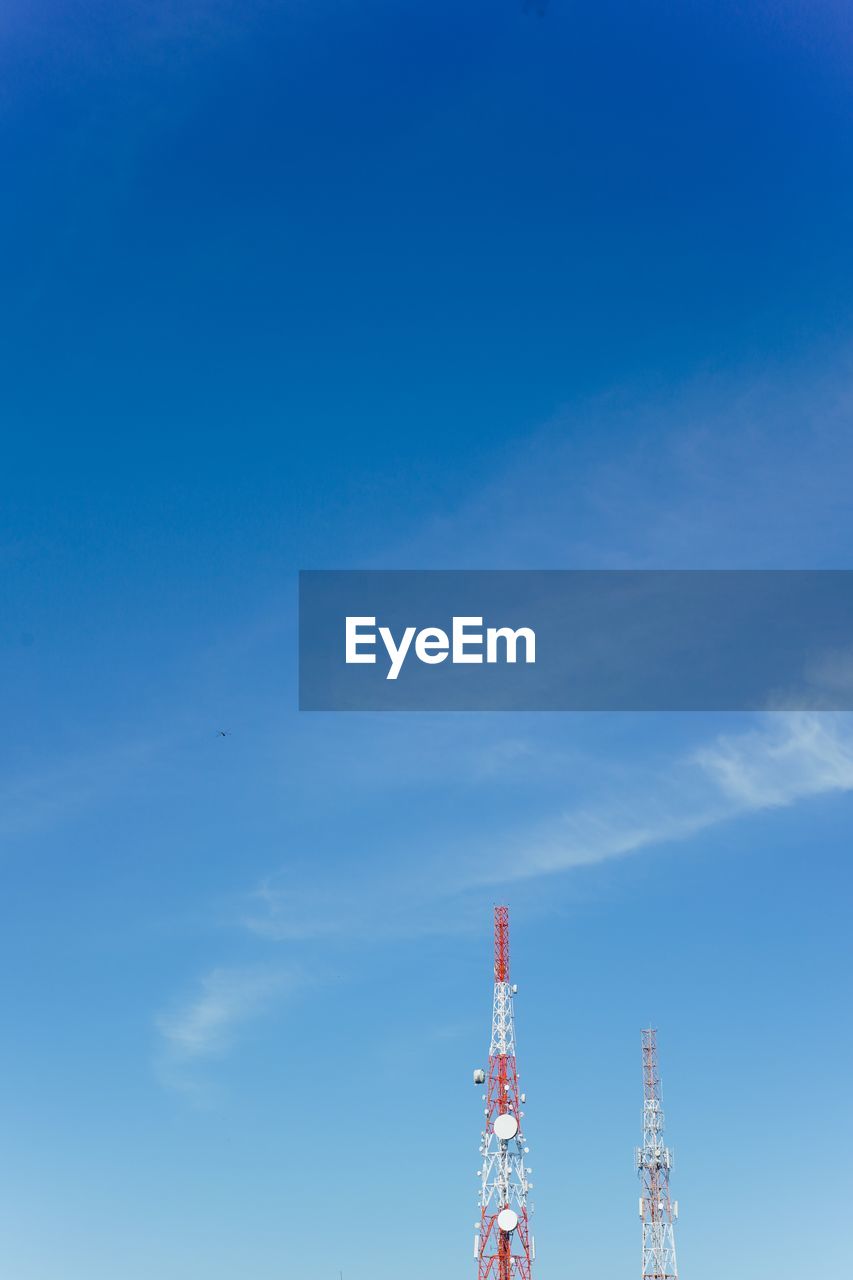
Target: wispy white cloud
(283, 912)
(795, 755)
(206, 1025)
(783, 759)
(789, 757)
(737, 472)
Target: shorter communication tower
(654, 1161)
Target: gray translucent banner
(575, 640)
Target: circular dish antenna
(507, 1220)
(506, 1127)
(479, 1076)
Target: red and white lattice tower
(654, 1161)
(503, 1245)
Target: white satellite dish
(507, 1220)
(506, 1127)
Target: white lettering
(527, 634)
(395, 653)
(354, 639)
(432, 645)
(461, 638)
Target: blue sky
(343, 284)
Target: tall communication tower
(654, 1161)
(503, 1246)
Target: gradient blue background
(410, 285)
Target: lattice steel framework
(503, 1254)
(654, 1162)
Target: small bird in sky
(223, 733)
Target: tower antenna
(503, 1246)
(654, 1161)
